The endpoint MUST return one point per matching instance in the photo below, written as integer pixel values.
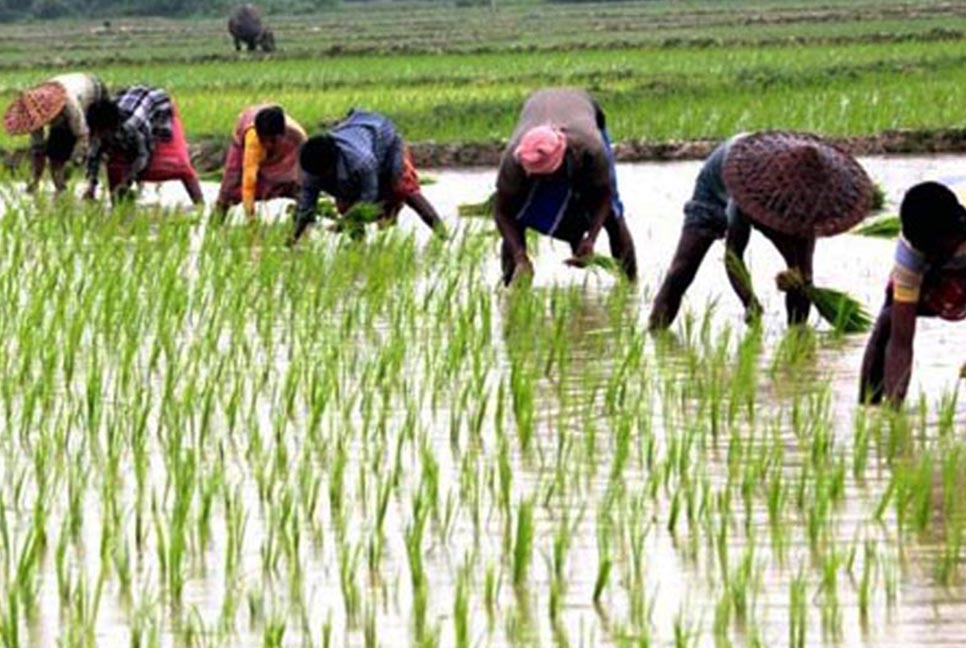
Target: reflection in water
(375, 458)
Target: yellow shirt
(251, 161)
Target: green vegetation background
(664, 70)
(47, 9)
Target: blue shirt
(370, 157)
(711, 207)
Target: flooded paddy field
(212, 440)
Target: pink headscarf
(541, 150)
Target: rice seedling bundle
(882, 227)
(843, 312)
(478, 210)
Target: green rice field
(210, 439)
(662, 70)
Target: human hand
(585, 248)
(522, 272)
(753, 312)
(123, 192)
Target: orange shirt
(251, 161)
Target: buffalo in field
(245, 26)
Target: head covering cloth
(541, 150)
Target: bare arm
(873, 361)
(512, 234)
(307, 205)
(38, 158)
(798, 254)
(143, 157)
(601, 211)
(418, 203)
(93, 167)
(898, 352)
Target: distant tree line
(45, 9)
(11, 10)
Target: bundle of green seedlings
(845, 313)
(352, 223)
(478, 210)
(883, 227)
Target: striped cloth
(146, 115)
(911, 267)
(371, 151)
(373, 165)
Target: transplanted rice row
(205, 444)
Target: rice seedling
(213, 440)
(478, 210)
(844, 313)
(522, 544)
(882, 227)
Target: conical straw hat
(35, 108)
(797, 183)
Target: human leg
(691, 250)
(798, 254)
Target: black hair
(319, 155)
(60, 143)
(599, 115)
(103, 115)
(932, 217)
(270, 121)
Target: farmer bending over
(792, 187)
(59, 103)
(928, 280)
(262, 161)
(141, 135)
(557, 177)
(362, 159)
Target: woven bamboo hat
(797, 183)
(35, 108)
